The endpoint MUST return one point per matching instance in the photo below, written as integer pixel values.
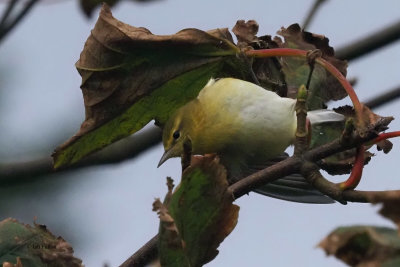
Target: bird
(247, 126)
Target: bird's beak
(167, 155)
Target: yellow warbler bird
(246, 126)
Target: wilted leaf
(131, 76)
(385, 146)
(245, 32)
(339, 163)
(202, 211)
(367, 121)
(267, 70)
(34, 246)
(390, 201)
(363, 246)
(171, 246)
(342, 163)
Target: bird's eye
(176, 135)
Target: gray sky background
(105, 212)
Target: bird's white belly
(266, 131)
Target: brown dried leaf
(342, 163)
(384, 145)
(369, 121)
(267, 70)
(364, 246)
(168, 231)
(390, 201)
(245, 32)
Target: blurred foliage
(34, 246)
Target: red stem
(384, 136)
(356, 172)
(287, 52)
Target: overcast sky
(105, 212)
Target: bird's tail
(324, 115)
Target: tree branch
(6, 28)
(370, 43)
(311, 14)
(127, 148)
(7, 12)
(383, 98)
(144, 255)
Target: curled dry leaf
(384, 145)
(245, 32)
(168, 231)
(364, 246)
(367, 121)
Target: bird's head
(175, 134)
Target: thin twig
(383, 98)
(146, 254)
(7, 12)
(311, 14)
(18, 18)
(370, 43)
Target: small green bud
(302, 94)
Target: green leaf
(364, 245)
(202, 212)
(35, 246)
(323, 87)
(131, 76)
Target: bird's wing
(293, 187)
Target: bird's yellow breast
(242, 118)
